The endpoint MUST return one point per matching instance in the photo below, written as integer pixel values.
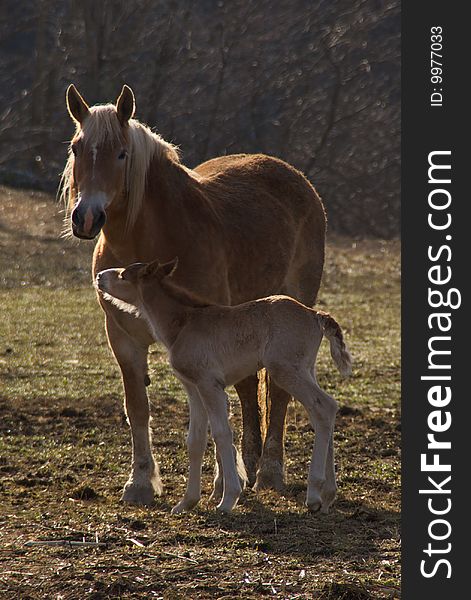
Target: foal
(212, 346)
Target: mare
(244, 226)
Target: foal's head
(99, 155)
(139, 283)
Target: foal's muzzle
(87, 224)
(100, 281)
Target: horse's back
(260, 173)
(273, 217)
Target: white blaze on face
(94, 155)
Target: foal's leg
(218, 484)
(144, 480)
(196, 443)
(321, 409)
(322, 414)
(271, 473)
(215, 401)
(329, 490)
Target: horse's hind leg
(251, 425)
(144, 480)
(271, 473)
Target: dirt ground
(65, 447)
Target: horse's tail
(339, 351)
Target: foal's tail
(339, 351)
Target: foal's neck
(165, 314)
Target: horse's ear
(168, 269)
(76, 105)
(125, 105)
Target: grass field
(65, 447)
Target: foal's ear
(155, 269)
(76, 105)
(125, 105)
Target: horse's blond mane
(102, 126)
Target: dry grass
(65, 452)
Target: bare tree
(314, 82)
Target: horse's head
(98, 159)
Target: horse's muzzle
(86, 225)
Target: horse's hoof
(139, 495)
(270, 478)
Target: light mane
(103, 126)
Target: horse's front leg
(144, 480)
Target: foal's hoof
(184, 506)
(328, 496)
(224, 509)
(314, 506)
(140, 495)
(216, 494)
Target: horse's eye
(123, 155)
(122, 275)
